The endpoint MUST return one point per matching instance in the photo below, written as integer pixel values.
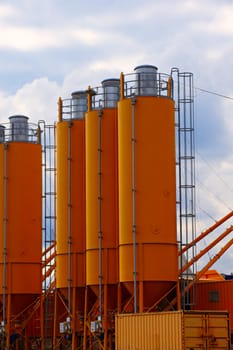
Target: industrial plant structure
(97, 225)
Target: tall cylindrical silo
(102, 199)
(20, 216)
(147, 190)
(70, 203)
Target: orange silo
(147, 188)
(102, 202)
(21, 218)
(70, 206)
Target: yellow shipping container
(176, 330)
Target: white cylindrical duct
(19, 128)
(79, 104)
(146, 80)
(111, 92)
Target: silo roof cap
(18, 116)
(146, 66)
(110, 81)
(78, 92)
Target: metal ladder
(185, 172)
(48, 225)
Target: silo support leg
(42, 321)
(8, 325)
(55, 322)
(141, 303)
(85, 321)
(26, 345)
(105, 317)
(178, 295)
(119, 298)
(74, 339)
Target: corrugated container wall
(21, 215)
(173, 330)
(147, 192)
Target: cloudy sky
(50, 48)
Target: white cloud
(7, 11)
(26, 38)
(214, 200)
(37, 100)
(222, 21)
(70, 46)
(33, 39)
(99, 69)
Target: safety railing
(105, 96)
(21, 132)
(147, 84)
(112, 90)
(74, 109)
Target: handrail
(48, 272)
(48, 249)
(28, 132)
(49, 259)
(48, 267)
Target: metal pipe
(8, 316)
(100, 212)
(206, 232)
(170, 87)
(73, 327)
(55, 319)
(201, 273)
(133, 101)
(121, 86)
(69, 215)
(38, 133)
(4, 237)
(59, 109)
(205, 250)
(105, 326)
(89, 98)
(85, 321)
(42, 319)
(210, 263)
